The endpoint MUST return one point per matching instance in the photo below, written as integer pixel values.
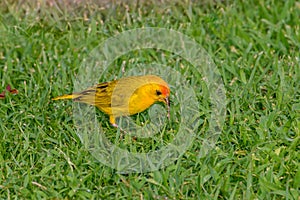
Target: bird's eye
(158, 92)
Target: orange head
(158, 90)
(161, 93)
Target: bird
(125, 96)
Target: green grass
(254, 44)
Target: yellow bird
(124, 97)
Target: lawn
(254, 47)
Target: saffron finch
(124, 97)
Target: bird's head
(160, 92)
(150, 89)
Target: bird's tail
(86, 96)
(67, 96)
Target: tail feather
(67, 96)
(86, 96)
